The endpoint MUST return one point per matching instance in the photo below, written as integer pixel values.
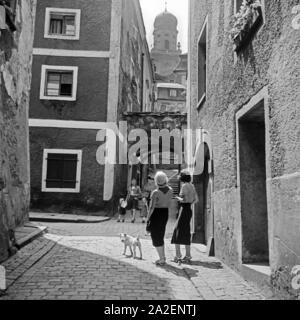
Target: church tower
(166, 51)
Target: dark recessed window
(202, 72)
(167, 44)
(9, 13)
(238, 4)
(61, 171)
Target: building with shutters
(91, 63)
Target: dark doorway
(203, 220)
(254, 208)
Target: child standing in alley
(122, 210)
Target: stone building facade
(91, 63)
(16, 38)
(244, 97)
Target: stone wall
(15, 78)
(271, 63)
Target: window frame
(75, 12)
(45, 69)
(78, 170)
(202, 99)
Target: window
(62, 23)
(7, 15)
(59, 83)
(147, 84)
(173, 93)
(61, 171)
(237, 5)
(163, 108)
(167, 44)
(247, 24)
(202, 65)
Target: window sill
(60, 37)
(201, 101)
(61, 190)
(58, 98)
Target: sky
(151, 8)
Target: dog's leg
(125, 249)
(140, 248)
(134, 252)
(131, 250)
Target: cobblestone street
(85, 261)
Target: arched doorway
(203, 214)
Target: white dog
(132, 243)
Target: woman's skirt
(182, 231)
(133, 203)
(157, 226)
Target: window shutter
(61, 171)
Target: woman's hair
(185, 176)
(161, 179)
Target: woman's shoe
(133, 221)
(160, 263)
(187, 259)
(118, 220)
(123, 221)
(177, 259)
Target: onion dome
(165, 19)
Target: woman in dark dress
(161, 199)
(182, 231)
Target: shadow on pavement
(72, 273)
(180, 272)
(207, 265)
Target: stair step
(259, 274)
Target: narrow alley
(85, 261)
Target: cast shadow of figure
(208, 265)
(180, 272)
